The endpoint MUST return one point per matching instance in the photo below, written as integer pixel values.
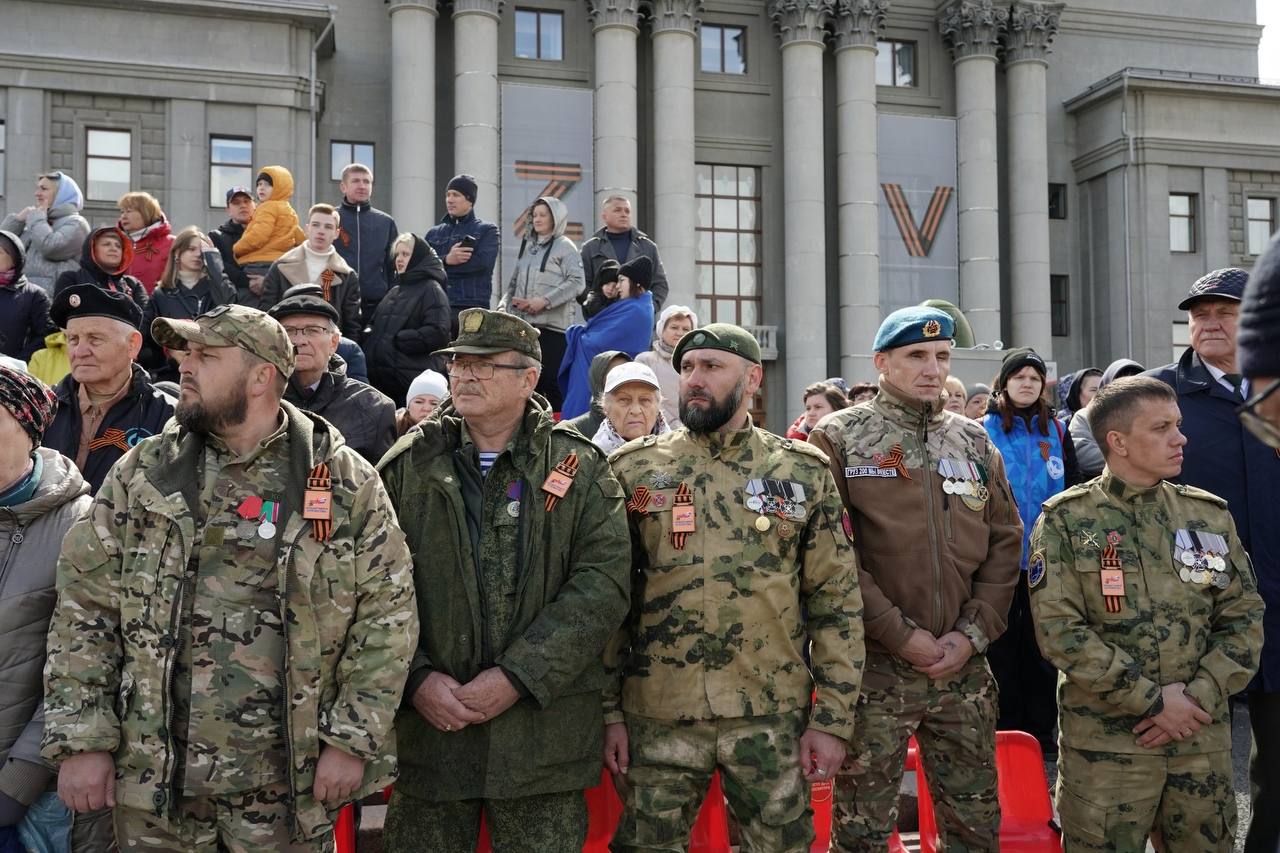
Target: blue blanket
(625, 325)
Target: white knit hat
(674, 311)
(427, 382)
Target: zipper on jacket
(929, 517)
(175, 625)
(15, 539)
(284, 622)
(359, 272)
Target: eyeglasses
(481, 370)
(308, 331)
(1262, 429)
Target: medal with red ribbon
(559, 480)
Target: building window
(230, 165)
(1057, 201)
(724, 49)
(2, 147)
(108, 163)
(895, 63)
(1182, 222)
(1060, 305)
(728, 244)
(539, 35)
(1261, 214)
(343, 154)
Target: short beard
(716, 415)
(206, 420)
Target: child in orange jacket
(274, 228)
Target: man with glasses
(1259, 361)
(364, 415)
(1224, 458)
(522, 557)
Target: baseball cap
(238, 190)
(230, 326)
(1226, 283)
(631, 371)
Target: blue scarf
(21, 491)
(626, 325)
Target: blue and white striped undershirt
(486, 461)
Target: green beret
(484, 332)
(721, 336)
(913, 325)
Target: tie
(1236, 381)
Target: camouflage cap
(482, 332)
(230, 326)
(721, 336)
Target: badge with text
(560, 479)
(317, 502)
(683, 520)
(1112, 580)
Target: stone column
(1032, 27)
(857, 22)
(615, 26)
(800, 25)
(475, 99)
(675, 208)
(413, 114)
(972, 30)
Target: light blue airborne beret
(914, 325)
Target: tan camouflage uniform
(934, 558)
(214, 660)
(710, 671)
(1171, 625)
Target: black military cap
(90, 300)
(304, 299)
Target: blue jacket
(470, 284)
(1035, 464)
(364, 242)
(1223, 457)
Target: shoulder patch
(1036, 569)
(1066, 495)
(804, 448)
(1199, 494)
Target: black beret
(90, 300)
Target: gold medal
(762, 524)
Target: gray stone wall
(71, 113)
(1241, 185)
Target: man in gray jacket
(620, 241)
(41, 495)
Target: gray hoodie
(549, 267)
(53, 240)
(27, 596)
(1088, 455)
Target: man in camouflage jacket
(740, 561)
(520, 561)
(1147, 604)
(940, 545)
(227, 654)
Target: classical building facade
(1062, 171)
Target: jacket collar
(1192, 375)
(68, 390)
(530, 442)
(1124, 492)
(294, 263)
(354, 206)
(730, 444)
(907, 410)
(468, 218)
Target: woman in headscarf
(52, 230)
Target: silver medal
(245, 529)
(1188, 559)
(513, 509)
(1185, 574)
(1219, 563)
(267, 530)
(754, 503)
(1220, 580)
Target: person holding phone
(469, 247)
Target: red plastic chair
(1026, 811)
(344, 831)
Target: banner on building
(919, 248)
(546, 151)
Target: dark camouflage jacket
(535, 592)
(719, 626)
(347, 603)
(1164, 629)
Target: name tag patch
(869, 471)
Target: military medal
(1088, 540)
(1112, 578)
(786, 530)
(317, 503)
(513, 498)
(762, 524)
(249, 510)
(270, 514)
(661, 480)
(683, 521)
(560, 479)
(944, 470)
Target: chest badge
(560, 479)
(1112, 579)
(893, 461)
(683, 520)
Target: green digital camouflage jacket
(1162, 630)
(347, 603)
(536, 591)
(720, 620)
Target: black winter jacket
(90, 273)
(225, 237)
(142, 413)
(179, 303)
(411, 323)
(364, 415)
(364, 241)
(598, 249)
(24, 307)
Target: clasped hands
(936, 657)
(451, 706)
(1180, 718)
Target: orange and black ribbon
(639, 502)
(894, 461)
(319, 481)
(326, 284)
(1044, 450)
(683, 498)
(568, 468)
(112, 437)
(1111, 561)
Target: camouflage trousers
(1111, 801)
(251, 822)
(545, 823)
(671, 767)
(953, 720)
